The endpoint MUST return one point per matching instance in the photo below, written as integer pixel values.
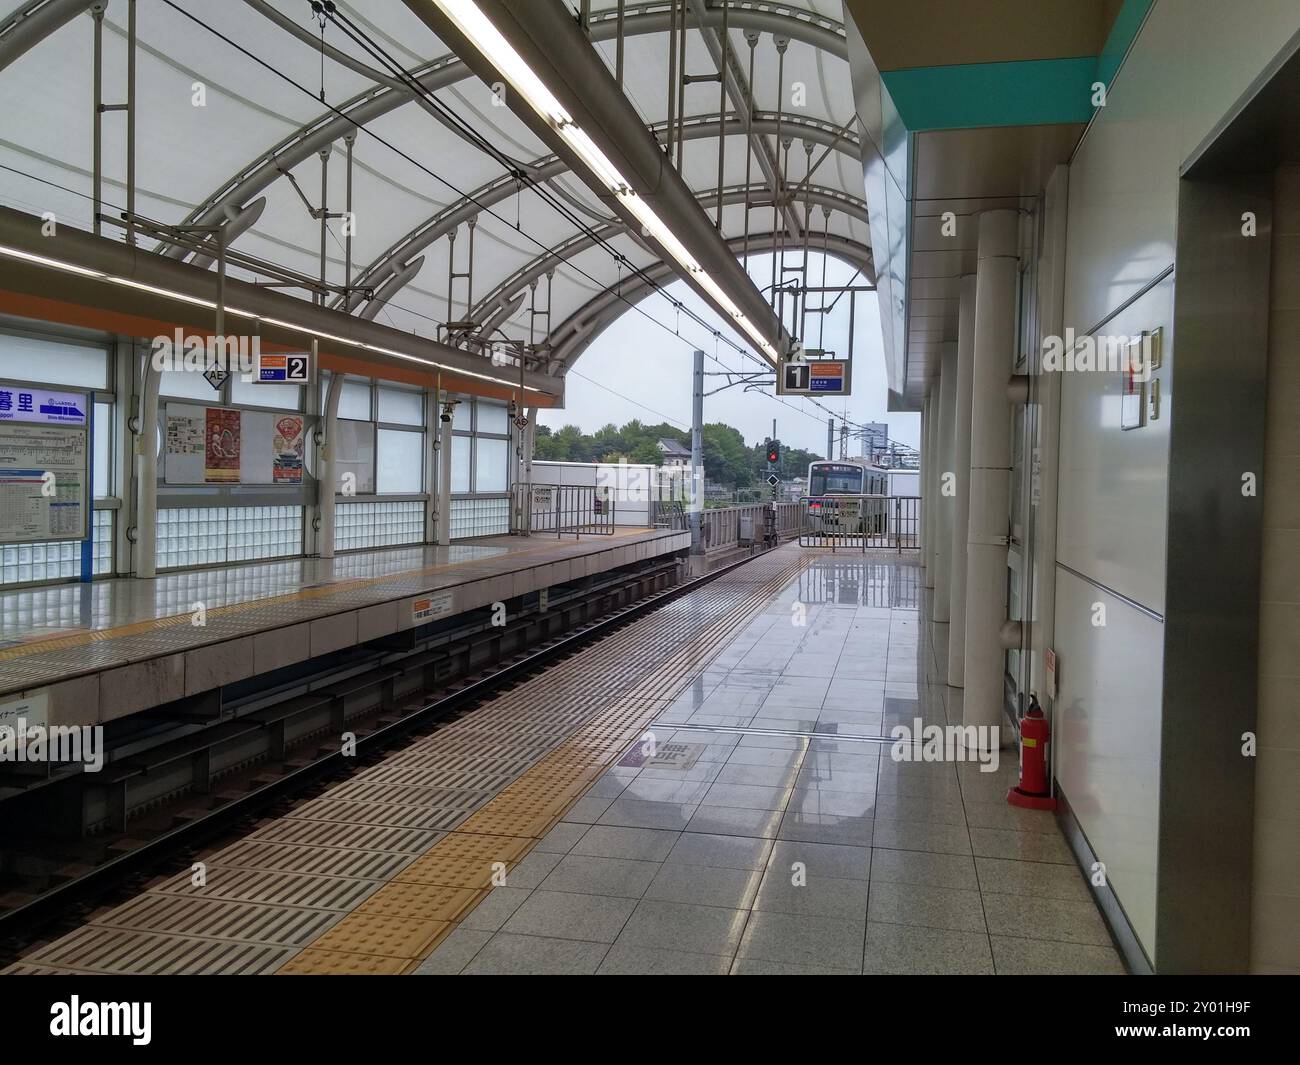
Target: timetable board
(44, 483)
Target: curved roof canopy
(244, 117)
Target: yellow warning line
(40, 645)
(401, 923)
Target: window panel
(491, 471)
(250, 394)
(401, 461)
(401, 406)
(187, 384)
(30, 359)
(354, 402)
(492, 418)
(460, 446)
(103, 450)
(460, 416)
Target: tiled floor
(779, 836)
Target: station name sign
(42, 407)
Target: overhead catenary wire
(415, 85)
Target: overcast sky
(638, 369)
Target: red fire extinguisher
(1034, 790)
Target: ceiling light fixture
(493, 46)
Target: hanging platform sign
(815, 377)
(291, 369)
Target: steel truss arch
(640, 19)
(545, 168)
(496, 304)
(575, 334)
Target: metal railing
(726, 527)
(668, 514)
(561, 509)
(857, 522)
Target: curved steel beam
(25, 28)
(818, 131)
(577, 244)
(574, 335)
(796, 23)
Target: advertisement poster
(288, 446)
(221, 450)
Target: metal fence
(561, 509)
(724, 527)
(668, 514)
(857, 522)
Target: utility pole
(830, 438)
(697, 455)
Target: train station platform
(708, 789)
(94, 653)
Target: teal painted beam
(969, 95)
(1028, 92)
(1127, 23)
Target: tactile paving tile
(316, 962)
(210, 918)
(363, 932)
(429, 902)
(352, 837)
(95, 949)
(363, 865)
(275, 888)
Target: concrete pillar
(961, 466)
(927, 501)
(327, 481)
(445, 438)
(944, 477)
(923, 498)
(146, 509)
(694, 514)
(990, 465)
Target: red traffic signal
(774, 453)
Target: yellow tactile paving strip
(509, 825)
(83, 637)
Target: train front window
(835, 482)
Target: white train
(847, 497)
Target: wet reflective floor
(762, 826)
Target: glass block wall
(24, 563)
(480, 516)
(205, 536)
(360, 525)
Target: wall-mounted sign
(42, 406)
(434, 606)
(285, 369)
(44, 483)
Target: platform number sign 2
(289, 369)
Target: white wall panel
(1108, 738)
(1111, 511)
